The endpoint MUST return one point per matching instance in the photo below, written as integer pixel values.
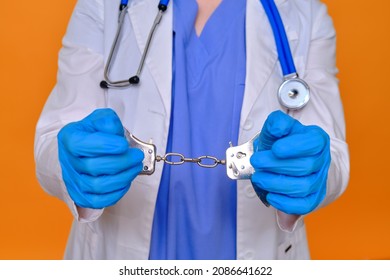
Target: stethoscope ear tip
(134, 80)
(104, 84)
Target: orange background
(34, 225)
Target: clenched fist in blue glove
(97, 164)
(291, 163)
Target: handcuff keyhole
(240, 155)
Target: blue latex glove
(97, 164)
(291, 163)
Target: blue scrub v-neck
(195, 216)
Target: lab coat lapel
(159, 59)
(261, 54)
(261, 51)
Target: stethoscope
(293, 93)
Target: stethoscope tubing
(280, 37)
(293, 93)
(122, 15)
(107, 83)
(281, 40)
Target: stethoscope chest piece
(294, 93)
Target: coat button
(248, 125)
(249, 191)
(248, 255)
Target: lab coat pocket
(292, 36)
(136, 102)
(124, 102)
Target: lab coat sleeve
(76, 94)
(325, 107)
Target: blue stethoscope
(293, 93)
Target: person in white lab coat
(122, 225)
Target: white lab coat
(123, 231)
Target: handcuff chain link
(168, 159)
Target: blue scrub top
(195, 216)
